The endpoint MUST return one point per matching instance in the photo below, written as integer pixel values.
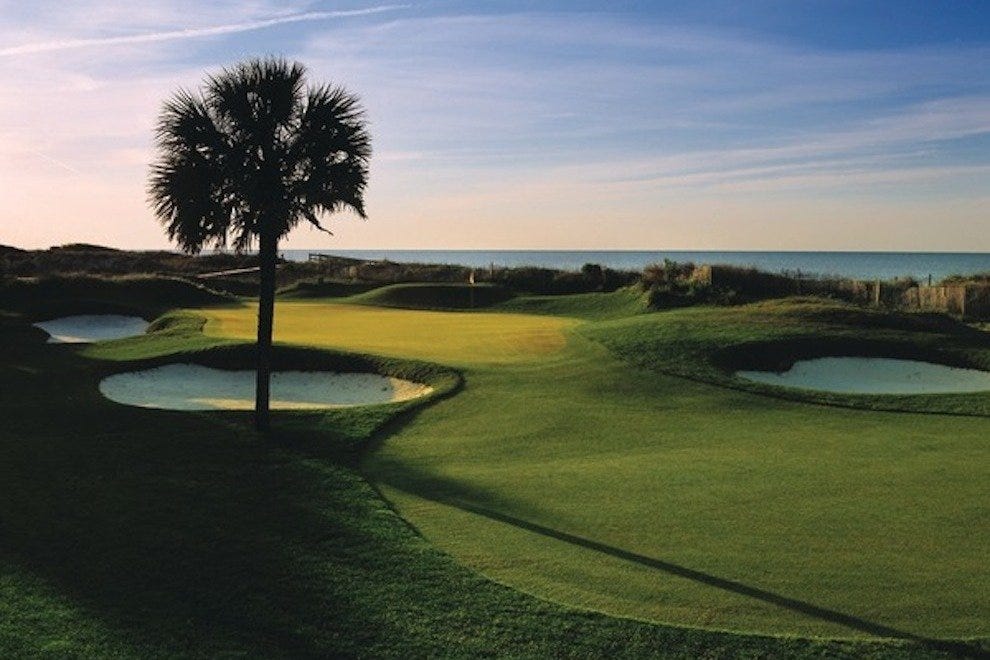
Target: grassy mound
(711, 343)
(146, 296)
(435, 296)
(628, 301)
(324, 289)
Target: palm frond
(257, 152)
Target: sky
(785, 125)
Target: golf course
(531, 330)
(583, 476)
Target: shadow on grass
(184, 534)
(177, 532)
(472, 500)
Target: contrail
(55, 161)
(192, 33)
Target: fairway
(577, 331)
(568, 473)
(447, 337)
(581, 478)
(597, 484)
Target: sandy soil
(91, 327)
(194, 387)
(859, 375)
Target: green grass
(441, 296)
(306, 289)
(144, 295)
(606, 484)
(449, 337)
(620, 303)
(134, 533)
(628, 301)
(711, 343)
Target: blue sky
(641, 125)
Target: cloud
(590, 125)
(191, 33)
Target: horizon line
(562, 250)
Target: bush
(146, 296)
(667, 273)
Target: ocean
(856, 265)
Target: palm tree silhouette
(251, 154)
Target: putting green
(568, 473)
(448, 337)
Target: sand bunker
(92, 327)
(194, 387)
(860, 375)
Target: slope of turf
(305, 289)
(144, 533)
(596, 482)
(628, 301)
(711, 343)
(443, 296)
(144, 295)
(715, 487)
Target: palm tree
(251, 154)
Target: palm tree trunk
(268, 255)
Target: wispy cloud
(55, 161)
(904, 134)
(192, 33)
(488, 125)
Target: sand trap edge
(193, 387)
(876, 376)
(89, 328)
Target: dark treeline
(82, 259)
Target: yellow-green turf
(564, 471)
(448, 337)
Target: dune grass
(564, 472)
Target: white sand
(194, 387)
(860, 375)
(92, 327)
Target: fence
(969, 300)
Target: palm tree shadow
(470, 499)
